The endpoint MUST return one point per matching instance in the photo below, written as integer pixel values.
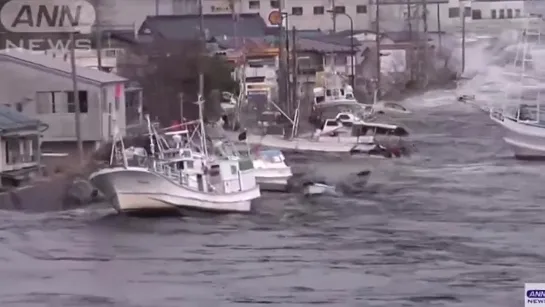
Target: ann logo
(44, 16)
(31, 16)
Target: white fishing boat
(343, 134)
(182, 179)
(522, 117)
(271, 171)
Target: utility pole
(463, 14)
(288, 68)
(439, 26)
(334, 16)
(377, 39)
(294, 68)
(410, 25)
(282, 89)
(76, 96)
(157, 7)
(98, 30)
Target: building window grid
(297, 11)
(319, 10)
(254, 5)
(361, 9)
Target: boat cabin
(531, 114)
(333, 94)
(269, 158)
(192, 170)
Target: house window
(502, 14)
(509, 13)
(340, 9)
(275, 4)
(51, 102)
(493, 14)
(361, 9)
(476, 14)
(83, 102)
(453, 12)
(517, 13)
(12, 151)
(319, 10)
(340, 59)
(253, 5)
(297, 11)
(233, 170)
(467, 11)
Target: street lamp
(352, 48)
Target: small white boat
(318, 188)
(181, 179)
(271, 171)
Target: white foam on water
(489, 71)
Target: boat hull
(135, 190)
(273, 179)
(526, 140)
(328, 145)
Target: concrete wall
(20, 84)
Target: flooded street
(457, 224)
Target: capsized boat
(183, 178)
(311, 188)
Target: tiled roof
(61, 67)
(181, 27)
(11, 120)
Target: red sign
(118, 88)
(275, 18)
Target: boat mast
(201, 120)
(150, 132)
(532, 29)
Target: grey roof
(181, 27)
(347, 33)
(308, 44)
(233, 43)
(58, 66)
(335, 39)
(11, 120)
(406, 36)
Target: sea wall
(61, 186)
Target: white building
(41, 87)
(313, 14)
(88, 58)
